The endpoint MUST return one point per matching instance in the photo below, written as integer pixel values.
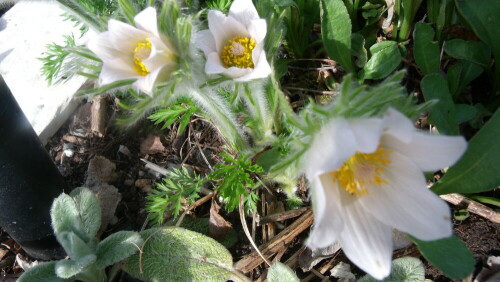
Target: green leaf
(408, 269)
(88, 208)
(426, 50)
(450, 255)
(465, 112)
(279, 272)
(385, 57)
(44, 272)
(477, 170)
(116, 247)
(443, 115)
(461, 74)
(106, 88)
(358, 49)
(74, 246)
(471, 51)
(177, 254)
(336, 32)
(66, 217)
(70, 268)
(482, 16)
(127, 9)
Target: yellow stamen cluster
(361, 170)
(142, 51)
(238, 52)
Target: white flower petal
(224, 28)
(160, 55)
(429, 152)
(398, 125)
(235, 72)
(125, 37)
(116, 70)
(367, 133)
(262, 68)
(331, 146)
(146, 20)
(101, 46)
(214, 64)
(327, 222)
(244, 11)
(366, 241)
(405, 202)
(258, 30)
(205, 41)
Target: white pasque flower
(234, 44)
(366, 177)
(139, 52)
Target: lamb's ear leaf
(407, 269)
(70, 268)
(66, 217)
(178, 254)
(44, 272)
(116, 247)
(279, 272)
(89, 209)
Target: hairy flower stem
(222, 117)
(258, 106)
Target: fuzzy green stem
(258, 107)
(222, 117)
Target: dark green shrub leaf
(471, 51)
(426, 50)
(477, 170)
(336, 31)
(443, 115)
(385, 57)
(461, 74)
(450, 255)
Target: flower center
(142, 51)
(238, 52)
(361, 170)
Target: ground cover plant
(314, 101)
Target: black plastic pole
(29, 182)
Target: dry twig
(472, 206)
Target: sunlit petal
(146, 20)
(405, 202)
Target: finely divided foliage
(362, 156)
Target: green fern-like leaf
(233, 178)
(180, 113)
(179, 188)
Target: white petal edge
(406, 204)
(326, 206)
(147, 21)
(366, 241)
(331, 146)
(160, 55)
(244, 11)
(101, 46)
(224, 28)
(429, 152)
(114, 71)
(125, 37)
(214, 64)
(398, 125)
(258, 30)
(367, 132)
(205, 41)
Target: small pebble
(144, 184)
(128, 182)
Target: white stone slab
(25, 30)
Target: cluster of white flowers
(365, 173)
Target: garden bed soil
(198, 148)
